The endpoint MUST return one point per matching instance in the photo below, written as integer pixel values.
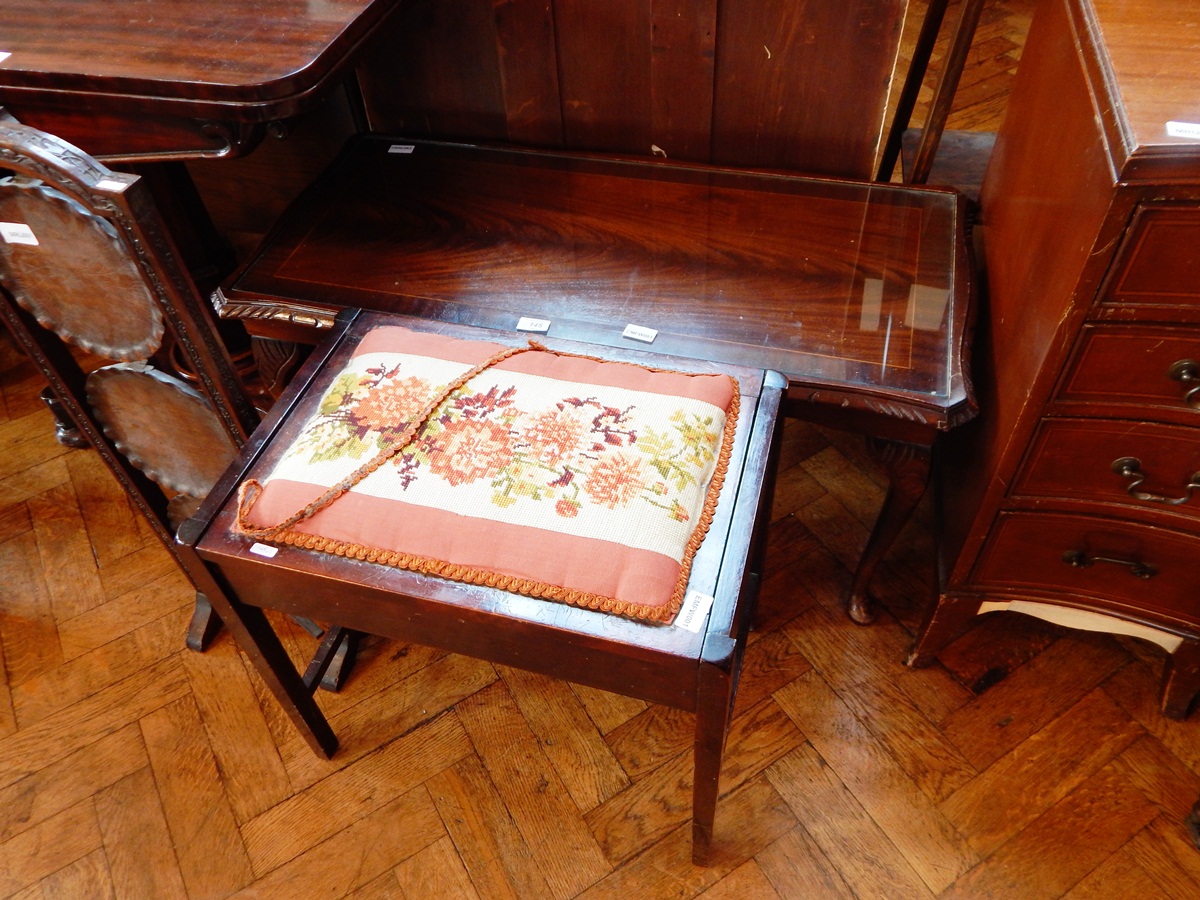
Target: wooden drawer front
(1158, 264)
(1075, 459)
(1138, 371)
(1033, 552)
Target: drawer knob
(1187, 372)
(1130, 468)
(1081, 560)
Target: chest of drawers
(1076, 497)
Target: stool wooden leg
(713, 709)
(333, 660)
(907, 466)
(256, 637)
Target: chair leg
(66, 432)
(333, 660)
(204, 625)
(334, 657)
(342, 661)
(258, 640)
(256, 637)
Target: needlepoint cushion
(565, 477)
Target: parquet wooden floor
(1030, 762)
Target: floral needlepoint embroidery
(555, 434)
(615, 480)
(390, 404)
(425, 444)
(567, 508)
(466, 451)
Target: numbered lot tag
(17, 233)
(640, 333)
(540, 326)
(694, 611)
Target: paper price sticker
(17, 233)
(4, 55)
(263, 550)
(525, 323)
(694, 612)
(640, 333)
(1184, 129)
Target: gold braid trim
(282, 533)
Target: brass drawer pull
(1187, 372)
(1081, 560)
(1130, 467)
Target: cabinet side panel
(1045, 197)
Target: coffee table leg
(907, 467)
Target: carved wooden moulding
(67, 267)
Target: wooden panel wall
(800, 84)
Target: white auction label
(4, 55)
(1184, 129)
(17, 233)
(694, 611)
(640, 333)
(109, 184)
(401, 148)
(263, 549)
(525, 323)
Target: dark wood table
(857, 292)
(151, 79)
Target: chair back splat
(88, 269)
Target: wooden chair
(964, 154)
(372, 562)
(86, 261)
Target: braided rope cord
(251, 489)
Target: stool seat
(561, 476)
(690, 663)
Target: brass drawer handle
(1130, 467)
(1187, 372)
(1081, 560)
